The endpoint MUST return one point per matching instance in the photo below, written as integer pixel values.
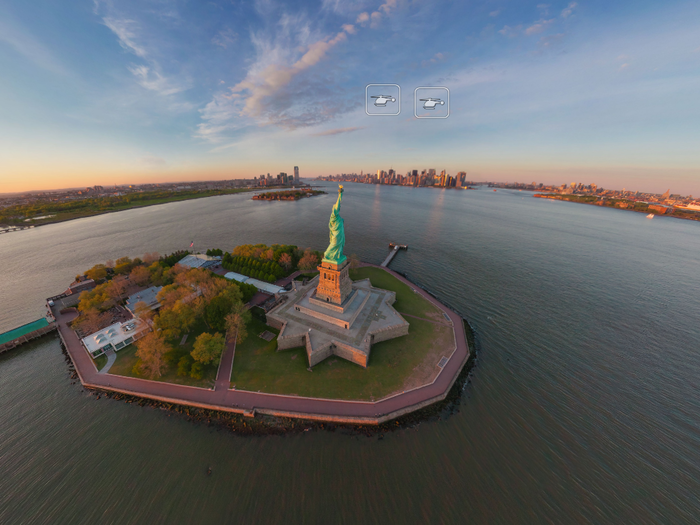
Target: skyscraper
(296, 174)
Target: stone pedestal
(334, 285)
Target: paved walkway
(111, 358)
(221, 398)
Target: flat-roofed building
(199, 260)
(114, 337)
(148, 296)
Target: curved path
(248, 403)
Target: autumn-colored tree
(97, 272)
(208, 348)
(123, 265)
(175, 321)
(172, 294)
(236, 323)
(144, 312)
(173, 272)
(140, 276)
(91, 321)
(269, 254)
(97, 298)
(157, 276)
(151, 350)
(286, 261)
(116, 288)
(309, 261)
(150, 258)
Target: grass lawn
(407, 301)
(394, 365)
(126, 359)
(100, 362)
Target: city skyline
(139, 92)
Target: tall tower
(296, 174)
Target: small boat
(650, 216)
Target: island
(295, 334)
(288, 195)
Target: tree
(117, 287)
(123, 265)
(236, 323)
(175, 321)
(150, 258)
(97, 298)
(97, 272)
(150, 350)
(208, 348)
(286, 261)
(216, 311)
(140, 275)
(309, 261)
(144, 312)
(91, 321)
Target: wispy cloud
(511, 32)
(129, 33)
(126, 33)
(568, 11)
(337, 131)
(225, 38)
(538, 26)
(495, 13)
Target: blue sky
(157, 90)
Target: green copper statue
(334, 253)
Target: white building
(114, 337)
(260, 285)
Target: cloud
(154, 81)
(437, 58)
(224, 38)
(349, 29)
(566, 12)
(495, 13)
(624, 66)
(337, 131)
(362, 19)
(125, 31)
(538, 27)
(510, 32)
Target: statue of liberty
(334, 253)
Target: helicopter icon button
(382, 100)
(431, 102)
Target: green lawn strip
(258, 366)
(407, 301)
(126, 359)
(100, 362)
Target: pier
(394, 250)
(25, 333)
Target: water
(583, 408)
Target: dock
(26, 333)
(394, 250)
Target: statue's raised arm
(336, 228)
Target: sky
(116, 92)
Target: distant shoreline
(57, 218)
(613, 203)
